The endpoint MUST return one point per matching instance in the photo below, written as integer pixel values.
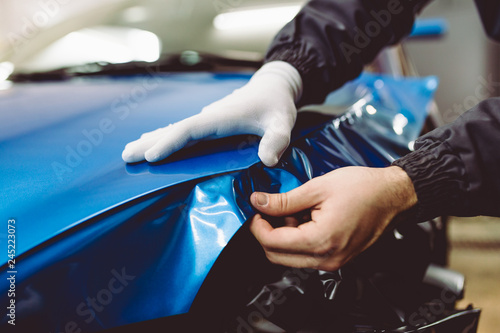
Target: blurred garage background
(46, 34)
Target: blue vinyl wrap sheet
(147, 257)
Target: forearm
(329, 41)
(455, 169)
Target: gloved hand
(265, 106)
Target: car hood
(61, 145)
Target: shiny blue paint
(157, 224)
(49, 185)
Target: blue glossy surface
(166, 241)
(48, 185)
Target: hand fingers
(158, 144)
(296, 247)
(134, 151)
(291, 221)
(198, 127)
(327, 263)
(286, 221)
(280, 204)
(272, 146)
(178, 135)
(154, 133)
(307, 238)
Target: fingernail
(261, 199)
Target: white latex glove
(265, 106)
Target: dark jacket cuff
(438, 176)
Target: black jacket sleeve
(455, 169)
(490, 16)
(329, 41)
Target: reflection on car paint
(168, 234)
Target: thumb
(272, 146)
(281, 204)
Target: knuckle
(283, 201)
(280, 203)
(264, 244)
(324, 248)
(316, 188)
(271, 257)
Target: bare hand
(349, 208)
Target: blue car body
(99, 243)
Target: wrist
(288, 74)
(403, 195)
